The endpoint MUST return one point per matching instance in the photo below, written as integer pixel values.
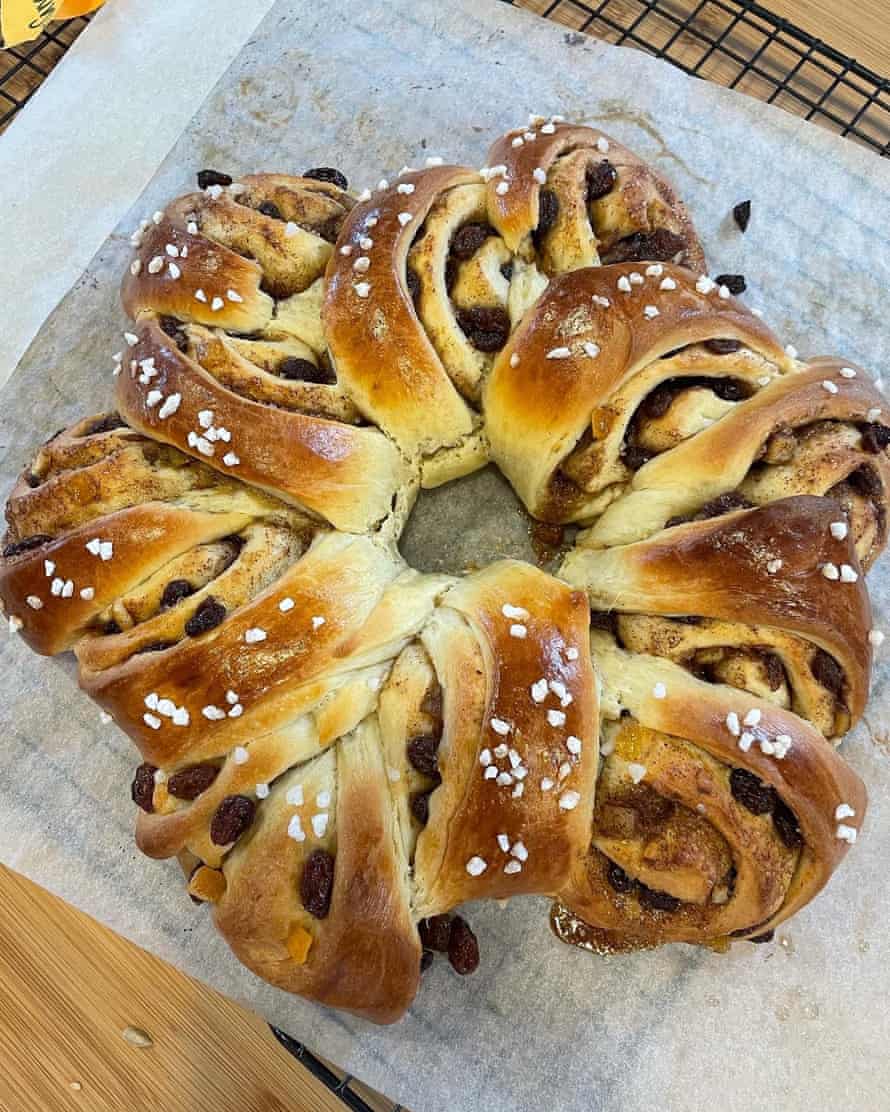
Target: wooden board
(860, 30)
(70, 987)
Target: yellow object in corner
(21, 20)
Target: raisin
(231, 818)
(207, 616)
(723, 504)
(767, 937)
(317, 883)
(658, 246)
(507, 271)
(600, 180)
(426, 960)
(269, 208)
(659, 401)
(634, 457)
(236, 540)
(785, 822)
(328, 174)
(548, 210)
(207, 178)
(190, 782)
(330, 229)
(467, 240)
(16, 548)
(175, 591)
(874, 438)
(731, 878)
(741, 213)
(735, 283)
(723, 346)
(420, 807)
(412, 281)
(175, 330)
(487, 329)
(866, 482)
(618, 878)
(450, 273)
(654, 900)
(105, 424)
(111, 627)
(827, 671)
(435, 932)
(751, 792)
(422, 754)
(775, 672)
(155, 647)
(143, 787)
(33, 480)
(304, 370)
(463, 949)
(602, 619)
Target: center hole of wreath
(467, 524)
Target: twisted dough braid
(571, 197)
(99, 510)
(228, 360)
(435, 270)
(695, 838)
(637, 397)
(744, 600)
(316, 720)
(340, 750)
(562, 397)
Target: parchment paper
(369, 86)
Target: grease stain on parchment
(879, 740)
(619, 110)
(793, 1006)
(269, 96)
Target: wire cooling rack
(24, 68)
(744, 46)
(735, 43)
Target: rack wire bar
(24, 68)
(744, 46)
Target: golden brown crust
(341, 473)
(225, 290)
(772, 875)
(546, 386)
(641, 201)
(825, 428)
(761, 568)
(337, 747)
(405, 389)
(365, 953)
(145, 506)
(232, 246)
(487, 676)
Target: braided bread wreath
(339, 749)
